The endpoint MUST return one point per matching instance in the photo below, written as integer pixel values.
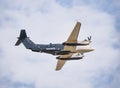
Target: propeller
(89, 38)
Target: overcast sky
(51, 21)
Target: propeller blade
(89, 38)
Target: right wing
(74, 34)
(73, 37)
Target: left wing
(61, 63)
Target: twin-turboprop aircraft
(69, 50)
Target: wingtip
(79, 22)
(57, 69)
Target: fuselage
(57, 49)
(49, 48)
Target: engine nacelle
(83, 43)
(72, 58)
(63, 52)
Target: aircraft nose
(92, 49)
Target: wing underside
(72, 38)
(60, 64)
(74, 34)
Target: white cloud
(47, 21)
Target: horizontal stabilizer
(18, 42)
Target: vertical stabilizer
(22, 36)
(25, 40)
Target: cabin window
(38, 46)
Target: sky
(51, 21)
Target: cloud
(67, 3)
(49, 21)
(108, 6)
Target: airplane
(71, 49)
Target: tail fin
(22, 36)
